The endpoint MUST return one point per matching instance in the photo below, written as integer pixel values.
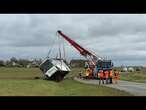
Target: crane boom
(82, 50)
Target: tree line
(14, 62)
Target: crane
(99, 62)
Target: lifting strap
(62, 48)
(59, 46)
(51, 48)
(64, 55)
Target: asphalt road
(137, 89)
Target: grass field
(22, 82)
(135, 76)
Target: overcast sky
(119, 37)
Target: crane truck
(57, 68)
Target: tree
(8, 63)
(2, 63)
(36, 62)
(23, 62)
(13, 59)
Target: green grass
(19, 73)
(21, 82)
(135, 76)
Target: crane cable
(62, 44)
(51, 47)
(59, 45)
(64, 54)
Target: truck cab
(104, 65)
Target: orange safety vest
(116, 75)
(87, 72)
(90, 73)
(106, 74)
(111, 74)
(101, 74)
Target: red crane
(82, 50)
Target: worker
(111, 76)
(116, 76)
(92, 67)
(88, 72)
(101, 76)
(80, 75)
(98, 75)
(86, 69)
(95, 72)
(106, 76)
(91, 73)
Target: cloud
(120, 37)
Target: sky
(119, 37)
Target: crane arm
(82, 50)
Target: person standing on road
(106, 76)
(95, 72)
(116, 76)
(80, 75)
(111, 76)
(101, 76)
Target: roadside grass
(136, 76)
(50, 88)
(11, 84)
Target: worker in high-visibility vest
(116, 76)
(111, 76)
(92, 67)
(101, 76)
(98, 75)
(87, 72)
(106, 76)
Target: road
(137, 89)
